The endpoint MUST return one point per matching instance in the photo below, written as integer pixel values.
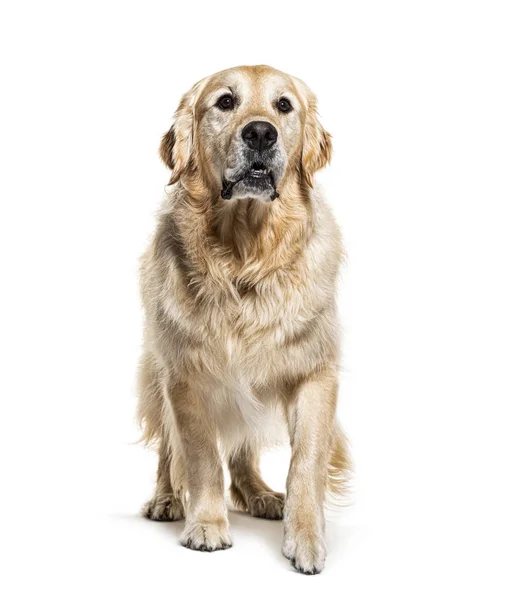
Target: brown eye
(226, 102)
(284, 105)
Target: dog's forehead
(259, 83)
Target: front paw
(206, 536)
(305, 549)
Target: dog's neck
(245, 240)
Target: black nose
(259, 135)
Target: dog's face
(250, 127)
(247, 130)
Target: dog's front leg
(206, 526)
(310, 418)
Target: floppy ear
(177, 145)
(166, 149)
(317, 143)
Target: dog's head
(245, 132)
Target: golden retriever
(241, 331)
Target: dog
(241, 335)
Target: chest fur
(249, 338)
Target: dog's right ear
(317, 143)
(177, 145)
(166, 149)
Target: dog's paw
(266, 505)
(207, 537)
(163, 508)
(305, 550)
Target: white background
(424, 102)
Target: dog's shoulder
(324, 251)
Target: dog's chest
(248, 333)
(241, 330)
(254, 339)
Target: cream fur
(241, 341)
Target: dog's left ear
(177, 145)
(317, 142)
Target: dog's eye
(284, 105)
(226, 102)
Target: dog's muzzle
(261, 162)
(258, 178)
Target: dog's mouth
(257, 179)
(258, 170)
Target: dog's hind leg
(248, 490)
(159, 429)
(166, 503)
